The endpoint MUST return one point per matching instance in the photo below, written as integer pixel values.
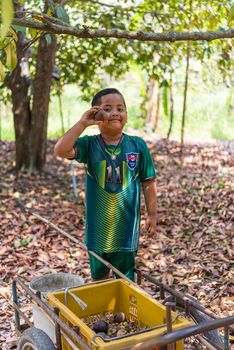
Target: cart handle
(82, 304)
(184, 333)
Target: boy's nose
(115, 113)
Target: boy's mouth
(114, 120)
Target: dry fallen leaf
(195, 223)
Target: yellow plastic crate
(111, 297)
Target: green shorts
(123, 261)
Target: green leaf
(62, 14)
(13, 34)
(32, 32)
(20, 242)
(48, 39)
(19, 28)
(51, 5)
(231, 14)
(11, 55)
(7, 16)
(2, 72)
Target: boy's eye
(107, 109)
(120, 109)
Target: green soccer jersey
(113, 191)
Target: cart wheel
(35, 339)
(214, 335)
(199, 317)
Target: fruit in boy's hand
(120, 317)
(100, 326)
(99, 115)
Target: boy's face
(115, 114)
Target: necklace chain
(112, 153)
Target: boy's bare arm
(150, 194)
(65, 145)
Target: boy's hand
(93, 116)
(151, 226)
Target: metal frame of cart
(163, 342)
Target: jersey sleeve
(81, 148)
(147, 168)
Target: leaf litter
(194, 255)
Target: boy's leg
(99, 271)
(124, 262)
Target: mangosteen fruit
(111, 319)
(100, 326)
(99, 115)
(120, 317)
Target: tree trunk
(151, 102)
(18, 83)
(171, 107)
(31, 126)
(185, 92)
(41, 88)
(157, 110)
(31, 123)
(186, 79)
(59, 93)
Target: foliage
(111, 55)
(88, 62)
(7, 11)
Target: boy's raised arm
(150, 195)
(64, 147)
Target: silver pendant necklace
(112, 155)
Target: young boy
(116, 164)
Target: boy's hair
(96, 101)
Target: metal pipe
(162, 294)
(184, 333)
(38, 294)
(168, 317)
(16, 307)
(57, 331)
(49, 311)
(226, 338)
(169, 324)
(74, 180)
(15, 301)
(188, 302)
(80, 302)
(69, 341)
(138, 277)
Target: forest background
(168, 86)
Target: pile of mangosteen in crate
(113, 325)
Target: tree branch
(89, 33)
